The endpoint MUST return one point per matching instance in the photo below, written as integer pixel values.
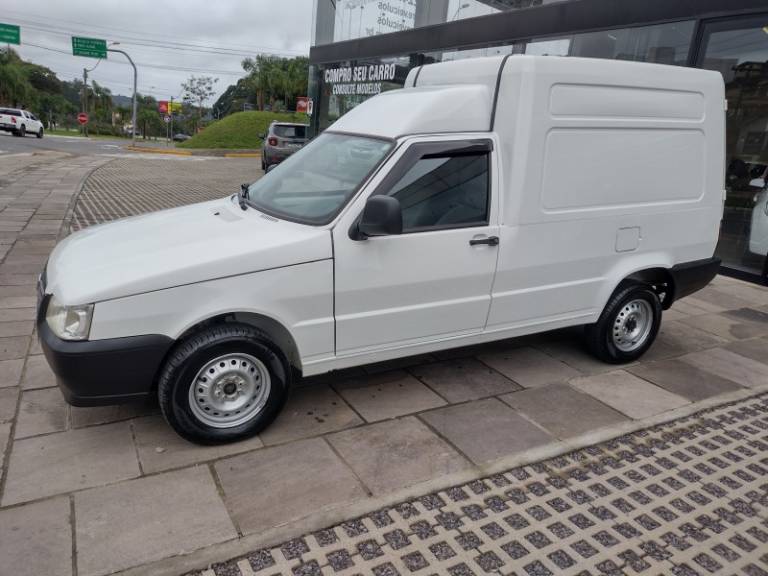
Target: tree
(198, 89)
(15, 89)
(271, 78)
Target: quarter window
(444, 190)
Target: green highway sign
(10, 34)
(91, 47)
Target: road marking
(110, 146)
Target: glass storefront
(737, 47)
(739, 50)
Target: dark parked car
(281, 140)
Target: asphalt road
(73, 145)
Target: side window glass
(445, 191)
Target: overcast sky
(200, 37)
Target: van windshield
(315, 183)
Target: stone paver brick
(393, 455)
(388, 395)
(463, 379)
(149, 518)
(529, 367)
(160, 448)
(269, 487)
(310, 411)
(485, 430)
(629, 394)
(685, 379)
(41, 412)
(37, 539)
(38, 373)
(80, 458)
(564, 411)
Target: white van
(489, 198)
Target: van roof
(460, 96)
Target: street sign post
(89, 47)
(82, 118)
(10, 34)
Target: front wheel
(628, 325)
(39, 133)
(224, 384)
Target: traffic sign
(90, 47)
(166, 119)
(10, 34)
(82, 118)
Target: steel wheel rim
(632, 325)
(229, 390)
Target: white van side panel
(299, 297)
(608, 168)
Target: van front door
(434, 280)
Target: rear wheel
(23, 131)
(224, 384)
(628, 325)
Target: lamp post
(135, 77)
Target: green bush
(240, 130)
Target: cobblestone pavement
(128, 186)
(687, 498)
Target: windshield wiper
(242, 196)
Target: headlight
(69, 322)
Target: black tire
(190, 356)
(23, 131)
(39, 133)
(600, 336)
(263, 164)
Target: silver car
(281, 140)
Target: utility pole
(135, 77)
(170, 112)
(85, 99)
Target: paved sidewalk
(687, 498)
(128, 186)
(95, 491)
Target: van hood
(174, 247)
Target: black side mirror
(382, 216)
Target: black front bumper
(690, 277)
(103, 372)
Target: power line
(146, 65)
(143, 39)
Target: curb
(172, 152)
(242, 155)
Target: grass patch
(241, 130)
(79, 134)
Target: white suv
(20, 122)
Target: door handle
(490, 241)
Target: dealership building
(363, 47)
